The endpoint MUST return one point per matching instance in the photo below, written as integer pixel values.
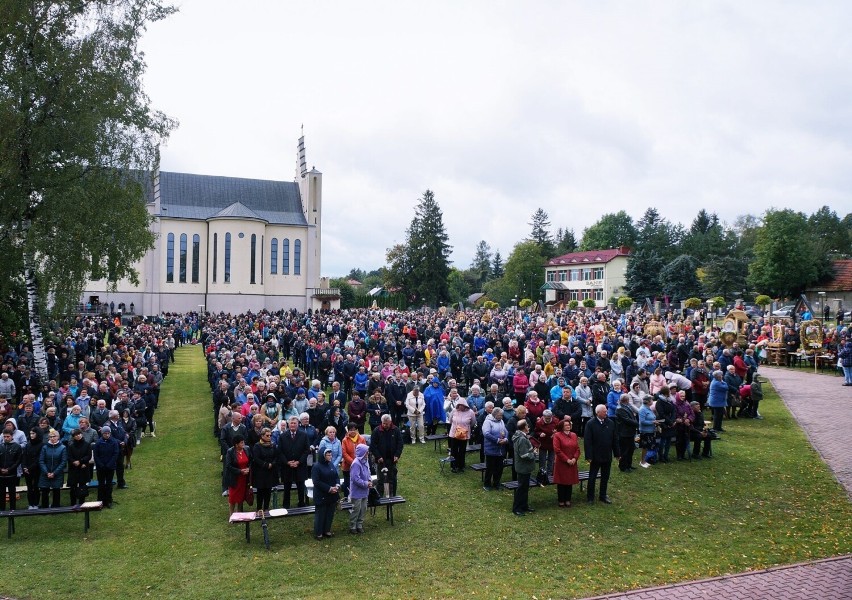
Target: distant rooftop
(202, 197)
(588, 257)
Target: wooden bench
(438, 438)
(249, 517)
(512, 485)
(86, 508)
(473, 447)
(480, 467)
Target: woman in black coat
(264, 469)
(326, 486)
(79, 467)
(31, 468)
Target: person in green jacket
(525, 462)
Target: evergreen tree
(565, 241)
(497, 266)
(643, 274)
(429, 250)
(74, 122)
(480, 268)
(540, 233)
(678, 279)
(658, 234)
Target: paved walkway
(827, 579)
(823, 407)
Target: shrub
(624, 302)
(763, 300)
(525, 303)
(589, 303)
(693, 303)
(573, 304)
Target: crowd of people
(98, 403)
(529, 387)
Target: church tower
(310, 190)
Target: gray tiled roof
(239, 210)
(188, 196)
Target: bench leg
(86, 522)
(248, 532)
(390, 514)
(265, 527)
(11, 527)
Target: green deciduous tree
(525, 269)
(785, 255)
(611, 231)
(458, 288)
(540, 233)
(74, 121)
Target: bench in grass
(277, 513)
(584, 477)
(85, 508)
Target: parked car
(784, 311)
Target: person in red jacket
(566, 447)
(520, 384)
(545, 427)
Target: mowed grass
(764, 499)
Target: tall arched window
(285, 256)
(297, 257)
(273, 257)
(215, 254)
(170, 258)
(196, 257)
(228, 257)
(253, 261)
(182, 258)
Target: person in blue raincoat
(434, 396)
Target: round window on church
(242, 235)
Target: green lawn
(765, 499)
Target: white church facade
(228, 244)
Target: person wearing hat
(107, 455)
(326, 487)
(462, 423)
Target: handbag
(249, 493)
(461, 433)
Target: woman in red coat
(520, 385)
(565, 472)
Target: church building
(228, 244)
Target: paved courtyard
(827, 579)
(823, 407)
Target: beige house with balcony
(228, 244)
(596, 274)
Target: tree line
(779, 254)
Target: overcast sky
(580, 108)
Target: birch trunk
(34, 313)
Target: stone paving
(827, 579)
(823, 408)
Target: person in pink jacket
(462, 422)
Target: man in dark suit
(386, 448)
(601, 444)
(337, 394)
(293, 449)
